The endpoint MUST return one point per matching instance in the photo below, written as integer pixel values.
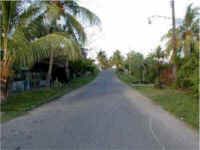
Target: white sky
(125, 25)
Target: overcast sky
(125, 24)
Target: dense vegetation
(174, 88)
(157, 67)
(31, 35)
(183, 104)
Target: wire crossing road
(104, 115)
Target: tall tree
(74, 16)
(12, 16)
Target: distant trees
(117, 60)
(103, 60)
(157, 67)
(135, 65)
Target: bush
(188, 75)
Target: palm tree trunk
(5, 47)
(49, 74)
(5, 70)
(4, 89)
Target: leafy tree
(135, 65)
(117, 60)
(102, 59)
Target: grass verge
(180, 103)
(19, 104)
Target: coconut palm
(73, 13)
(12, 16)
(187, 34)
(190, 29)
(55, 45)
(187, 37)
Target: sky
(124, 24)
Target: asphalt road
(104, 115)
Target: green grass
(182, 104)
(18, 104)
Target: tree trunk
(49, 74)
(67, 69)
(5, 70)
(5, 47)
(174, 71)
(3, 90)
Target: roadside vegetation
(169, 77)
(20, 103)
(34, 43)
(183, 104)
(42, 57)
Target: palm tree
(190, 29)
(55, 45)
(187, 36)
(72, 12)
(12, 17)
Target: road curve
(104, 115)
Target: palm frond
(83, 13)
(61, 45)
(20, 47)
(76, 28)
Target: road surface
(104, 115)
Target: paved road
(104, 115)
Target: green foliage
(117, 60)
(61, 45)
(182, 104)
(188, 74)
(187, 53)
(103, 60)
(83, 66)
(135, 65)
(151, 70)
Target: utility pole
(174, 69)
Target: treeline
(157, 67)
(31, 35)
